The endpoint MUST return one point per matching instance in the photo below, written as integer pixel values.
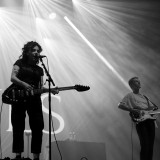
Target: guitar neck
(66, 88)
(154, 112)
(45, 90)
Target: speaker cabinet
(75, 150)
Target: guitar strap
(156, 107)
(148, 100)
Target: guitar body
(135, 117)
(15, 94)
(144, 115)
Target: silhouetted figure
(28, 75)
(138, 105)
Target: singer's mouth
(35, 58)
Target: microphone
(40, 56)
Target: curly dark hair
(27, 48)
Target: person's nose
(36, 53)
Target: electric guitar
(144, 115)
(15, 94)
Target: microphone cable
(56, 140)
(132, 138)
(53, 124)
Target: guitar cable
(0, 131)
(53, 125)
(132, 139)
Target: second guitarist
(135, 103)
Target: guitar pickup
(32, 92)
(13, 95)
(27, 93)
(22, 93)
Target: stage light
(105, 61)
(52, 16)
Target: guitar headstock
(81, 88)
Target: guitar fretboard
(45, 90)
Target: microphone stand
(50, 80)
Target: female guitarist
(28, 75)
(137, 104)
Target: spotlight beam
(97, 53)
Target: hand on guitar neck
(14, 94)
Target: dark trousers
(146, 134)
(18, 114)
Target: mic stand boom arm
(47, 73)
(50, 80)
